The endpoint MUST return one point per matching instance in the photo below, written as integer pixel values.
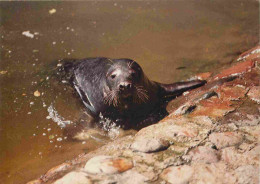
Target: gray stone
(74, 178)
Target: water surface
(171, 40)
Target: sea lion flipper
(178, 88)
(84, 99)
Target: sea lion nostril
(128, 86)
(121, 86)
(125, 86)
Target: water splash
(111, 127)
(53, 114)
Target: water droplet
(59, 139)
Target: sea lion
(119, 90)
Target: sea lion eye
(133, 74)
(113, 76)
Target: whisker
(130, 64)
(112, 98)
(142, 95)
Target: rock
(235, 159)
(213, 107)
(245, 147)
(215, 173)
(156, 137)
(55, 170)
(237, 69)
(107, 165)
(254, 94)
(132, 177)
(38, 181)
(194, 100)
(128, 177)
(249, 120)
(37, 93)
(228, 93)
(52, 11)
(150, 145)
(203, 154)
(250, 54)
(203, 76)
(253, 132)
(74, 178)
(178, 175)
(186, 104)
(204, 121)
(225, 139)
(247, 174)
(3, 72)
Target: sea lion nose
(125, 86)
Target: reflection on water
(171, 40)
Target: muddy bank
(210, 136)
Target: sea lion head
(125, 82)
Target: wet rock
(237, 69)
(74, 178)
(247, 174)
(213, 107)
(203, 76)
(38, 181)
(178, 175)
(231, 92)
(107, 165)
(191, 104)
(254, 94)
(52, 172)
(225, 139)
(250, 54)
(186, 104)
(203, 154)
(150, 145)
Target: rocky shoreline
(211, 135)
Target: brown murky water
(171, 40)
